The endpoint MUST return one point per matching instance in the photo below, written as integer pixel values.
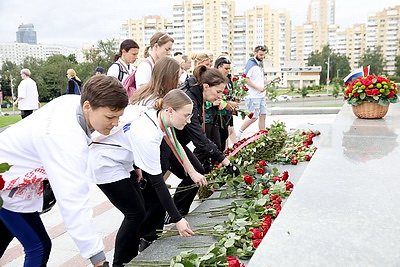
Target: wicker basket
(370, 110)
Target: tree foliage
(50, 74)
(338, 64)
(373, 58)
(397, 65)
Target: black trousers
(26, 113)
(5, 238)
(125, 195)
(182, 200)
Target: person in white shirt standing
(255, 100)
(28, 97)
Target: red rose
(267, 219)
(294, 162)
(251, 114)
(234, 79)
(285, 175)
(2, 182)
(289, 185)
(244, 75)
(307, 157)
(248, 179)
(265, 227)
(265, 191)
(276, 179)
(257, 234)
(262, 163)
(256, 242)
(233, 262)
(226, 91)
(260, 170)
(245, 88)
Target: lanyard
(170, 138)
(124, 65)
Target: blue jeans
(28, 228)
(257, 105)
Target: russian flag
(354, 74)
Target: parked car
(282, 98)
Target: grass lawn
(7, 120)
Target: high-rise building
(141, 30)
(269, 27)
(26, 34)
(202, 25)
(383, 30)
(321, 11)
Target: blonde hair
(72, 73)
(180, 59)
(175, 99)
(159, 38)
(200, 58)
(164, 78)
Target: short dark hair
(104, 91)
(260, 48)
(221, 61)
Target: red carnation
(262, 163)
(251, 114)
(265, 191)
(260, 170)
(248, 179)
(2, 182)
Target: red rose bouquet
(3, 168)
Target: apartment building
(141, 30)
(383, 30)
(17, 52)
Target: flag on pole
(353, 75)
(366, 70)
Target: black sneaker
(143, 244)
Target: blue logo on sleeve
(127, 127)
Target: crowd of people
(128, 146)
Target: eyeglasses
(187, 117)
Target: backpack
(77, 88)
(130, 82)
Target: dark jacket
(71, 85)
(194, 130)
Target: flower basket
(370, 110)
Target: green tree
(10, 72)
(373, 58)
(397, 65)
(338, 64)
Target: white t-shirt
(114, 69)
(137, 141)
(256, 75)
(143, 72)
(28, 92)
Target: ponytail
(146, 52)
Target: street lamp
(327, 73)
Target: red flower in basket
(233, 262)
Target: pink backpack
(130, 82)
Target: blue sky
(75, 22)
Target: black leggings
(182, 200)
(125, 195)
